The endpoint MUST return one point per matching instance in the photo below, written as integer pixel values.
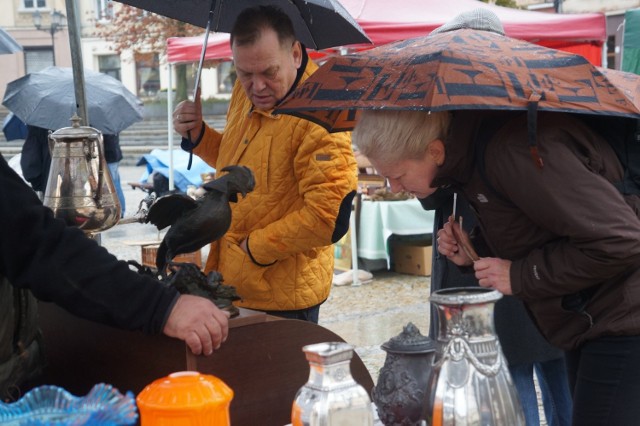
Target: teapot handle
(96, 170)
(102, 163)
(51, 142)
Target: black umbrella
(319, 24)
(47, 99)
(8, 44)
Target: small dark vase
(402, 384)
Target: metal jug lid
(75, 132)
(410, 341)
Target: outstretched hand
(187, 117)
(200, 323)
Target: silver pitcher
(470, 382)
(331, 397)
(79, 189)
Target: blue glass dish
(54, 406)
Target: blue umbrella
(13, 128)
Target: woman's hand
(493, 272)
(448, 245)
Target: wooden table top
(262, 360)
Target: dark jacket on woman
(573, 240)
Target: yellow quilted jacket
(305, 181)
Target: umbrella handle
(190, 152)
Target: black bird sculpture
(195, 223)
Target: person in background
(113, 156)
(526, 351)
(40, 256)
(278, 250)
(36, 158)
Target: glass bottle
(331, 397)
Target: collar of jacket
(460, 143)
(459, 154)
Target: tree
(145, 33)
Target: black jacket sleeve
(60, 264)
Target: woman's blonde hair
(395, 135)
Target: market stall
(582, 33)
(380, 219)
(261, 361)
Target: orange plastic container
(185, 398)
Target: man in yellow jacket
(277, 251)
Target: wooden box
(412, 257)
(149, 256)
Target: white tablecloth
(380, 219)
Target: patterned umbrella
(463, 69)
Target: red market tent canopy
(189, 49)
(385, 22)
(578, 33)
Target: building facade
(145, 75)
(148, 75)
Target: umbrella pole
(199, 72)
(204, 49)
(170, 125)
(76, 61)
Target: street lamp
(57, 22)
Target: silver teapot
(79, 189)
